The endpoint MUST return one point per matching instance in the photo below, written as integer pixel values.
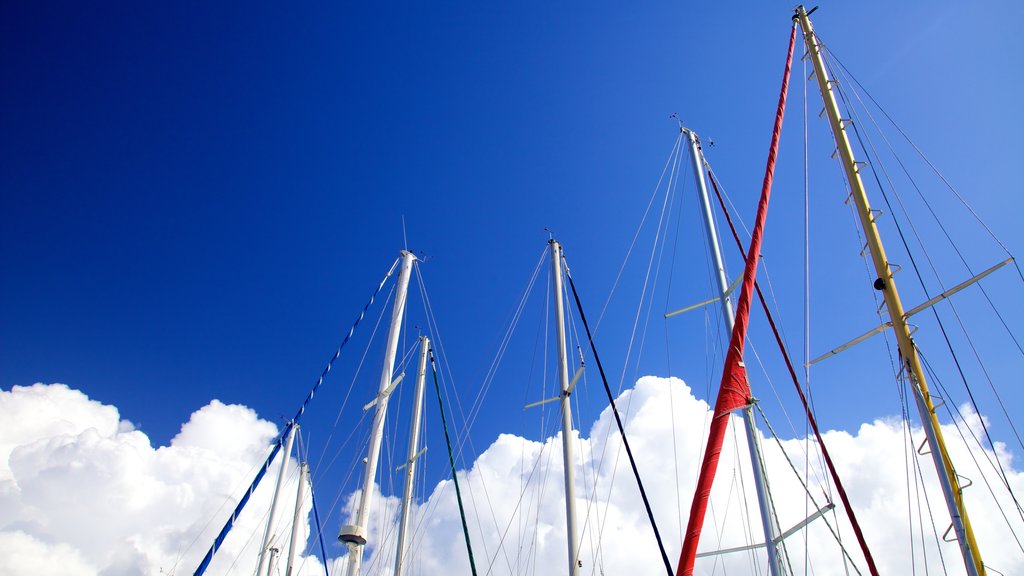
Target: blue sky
(196, 199)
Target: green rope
(451, 459)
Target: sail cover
(734, 391)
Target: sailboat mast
(769, 521)
(563, 377)
(886, 283)
(354, 535)
(263, 566)
(293, 548)
(410, 463)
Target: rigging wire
(451, 461)
(957, 418)
(668, 366)
(938, 278)
(204, 563)
(639, 312)
(351, 387)
(807, 408)
(920, 279)
(474, 409)
(618, 422)
(921, 153)
(224, 502)
(589, 489)
(488, 379)
(643, 220)
(807, 297)
(807, 490)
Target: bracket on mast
(945, 535)
(387, 392)
(413, 459)
(906, 316)
(922, 447)
(732, 288)
(568, 392)
(799, 526)
(542, 402)
(575, 379)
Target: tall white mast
(262, 568)
(414, 454)
(563, 376)
(354, 535)
(769, 522)
(293, 547)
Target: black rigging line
(618, 422)
(451, 460)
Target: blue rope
(337, 352)
(319, 531)
(280, 439)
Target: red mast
(734, 391)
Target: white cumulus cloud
(515, 504)
(83, 492)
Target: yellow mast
(887, 284)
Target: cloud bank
(83, 492)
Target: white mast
(293, 547)
(563, 376)
(769, 522)
(275, 554)
(354, 535)
(262, 568)
(414, 454)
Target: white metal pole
(708, 216)
(354, 535)
(769, 522)
(275, 555)
(563, 376)
(410, 462)
(293, 547)
(262, 568)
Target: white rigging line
(807, 304)
(674, 160)
(934, 269)
(243, 481)
(921, 153)
(314, 469)
(668, 364)
(639, 228)
(464, 435)
(996, 465)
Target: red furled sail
(734, 391)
